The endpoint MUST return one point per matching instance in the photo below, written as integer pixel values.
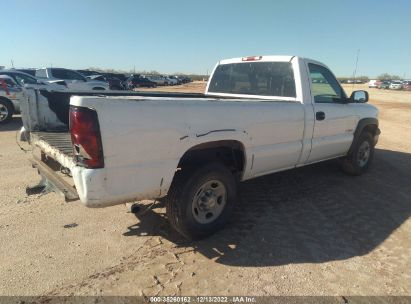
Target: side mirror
(359, 96)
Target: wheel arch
(231, 153)
(8, 101)
(369, 124)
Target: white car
(396, 85)
(373, 83)
(73, 79)
(259, 115)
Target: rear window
(254, 78)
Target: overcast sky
(191, 36)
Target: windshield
(254, 78)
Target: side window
(74, 75)
(41, 73)
(23, 79)
(59, 73)
(324, 86)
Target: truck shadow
(13, 125)
(307, 215)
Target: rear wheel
(99, 89)
(361, 156)
(200, 201)
(6, 111)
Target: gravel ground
(309, 231)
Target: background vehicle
(373, 83)
(10, 96)
(385, 84)
(259, 115)
(395, 85)
(114, 83)
(406, 85)
(138, 81)
(159, 80)
(170, 81)
(24, 80)
(179, 81)
(73, 79)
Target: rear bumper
(52, 180)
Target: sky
(191, 36)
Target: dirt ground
(309, 231)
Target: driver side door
(335, 119)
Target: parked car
(24, 80)
(11, 95)
(396, 85)
(192, 150)
(73, 79)
(138, 81)
(120, 76)
(159, 80)
(186, 79)
(114, 83)
(373, 83)
(406, 85)
(170, 81)
(385, 84)
(179, 81)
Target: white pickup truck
(259, 115)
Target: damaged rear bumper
(51, 181)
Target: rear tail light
(252, 58)
(86, 137)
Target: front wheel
(361, 156)
(6, 111)
(200, 201)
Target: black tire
(355, 163)
(99, 89)
(186, 187)
(7, 110)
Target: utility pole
(12, 63)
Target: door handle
(320, 115)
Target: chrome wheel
(363, 154)
(4, 112)
(209, 201)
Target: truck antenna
(355, 69)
